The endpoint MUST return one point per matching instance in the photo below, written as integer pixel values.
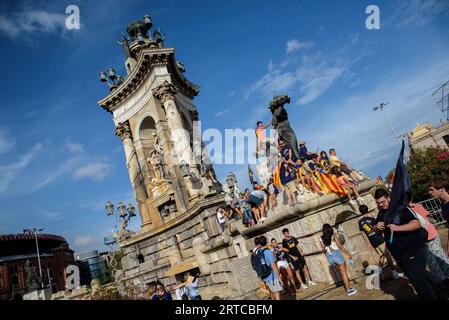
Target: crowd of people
(407, 243)
(318, 174)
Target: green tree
(424, 166)
(115, 264)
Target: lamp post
(398, 137)
(123, 214)
(34, 232)
(111, 78)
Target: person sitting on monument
(245, 207)
(286, 153)
(335, 161)
(221, 218)
(258, 186)
(257, 199)
(325, 161)
(326, 182)
(262, 140)
(273, 191)
(288, 180)
(231, 214)
(309, 177)
(349, 187)
(303, 153)
(303, 178)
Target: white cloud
(32, 21)
(96, 171)
(222, 112)
(75, 147)
(416, 13)
(52, 215)
(67, 166)
(354, 38)
(7, 143)
(9, 172)
(361, 136)
(87, 240)
(314, 75)
(315, 80)
(294, 45)
(273, 82)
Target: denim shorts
(336, 258)
(274, 286)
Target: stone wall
(224, 258)
(304, 222)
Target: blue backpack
(259, 263)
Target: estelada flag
(402, 183)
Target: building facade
(19, 267)
(426, 135)
(93, 262)
(177, 192)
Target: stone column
(181, 140)
(147, 212)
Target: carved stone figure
(281, 123)
(95, 286)
(231, 188)
(124, 43)
(158, 146)
(157, 165)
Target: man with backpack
(264, 263)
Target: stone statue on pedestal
(281, 123)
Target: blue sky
(60, 161)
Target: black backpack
(259, 263)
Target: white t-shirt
(180, 292)
(332, 248)
(221, 217)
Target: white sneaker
(352, 202)
(360, 200)
(311, 283)
(304, 286)
(352, 291)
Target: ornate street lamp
(122, 215)
(111, 78)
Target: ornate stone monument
(174, 182)
(177, 191)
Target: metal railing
(434, 208)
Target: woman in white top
(333, 248)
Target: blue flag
(401, 184)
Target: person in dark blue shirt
(404, 238)
(303, 153)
